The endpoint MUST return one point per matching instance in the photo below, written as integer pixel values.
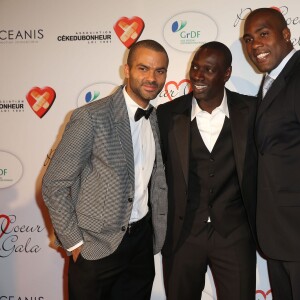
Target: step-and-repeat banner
(58, 55)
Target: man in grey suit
(105, 186)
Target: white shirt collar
(274, 73)
(223, 108)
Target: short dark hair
(222, 48)
(273, 12)
(149, 44)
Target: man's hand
(75, 253)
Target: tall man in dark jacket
(268, 43)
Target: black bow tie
(142, 113)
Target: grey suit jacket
(89, 184)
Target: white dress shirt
(144, 156)
(210, 125)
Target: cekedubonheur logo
(189, 30)
(11, 169)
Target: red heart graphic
(40, 100)
(187, 88)
(3, 229)
(129, 30)
(263, 293)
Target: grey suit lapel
(123, 129)
(239, 118)
(154, 127)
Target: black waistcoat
(213, 189)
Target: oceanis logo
(21, 36)
(129, 30)
(41, 100)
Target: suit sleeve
(61, 182)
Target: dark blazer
(278, 143)
(174, 120)
(89, 184)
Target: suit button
(130, 200)
(211, 159)
(181, 218)
(211, 191)
(210, 205)
(211, 175)
(123, 228)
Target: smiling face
(146, 75)
(208, 74)
(267, 39)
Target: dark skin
(267, 39)
(208, 75)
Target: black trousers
(126, 274)
(284, 279)
(232, 261)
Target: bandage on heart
(129, 30)
(41, 99)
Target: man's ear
(286, 34)
(126, 70)
(227, 74)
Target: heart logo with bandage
(261, 295)
(4, 224)
(129, 30)
(174, 89)
(41, 99)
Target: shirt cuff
(76, 246)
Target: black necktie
(142, 113)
